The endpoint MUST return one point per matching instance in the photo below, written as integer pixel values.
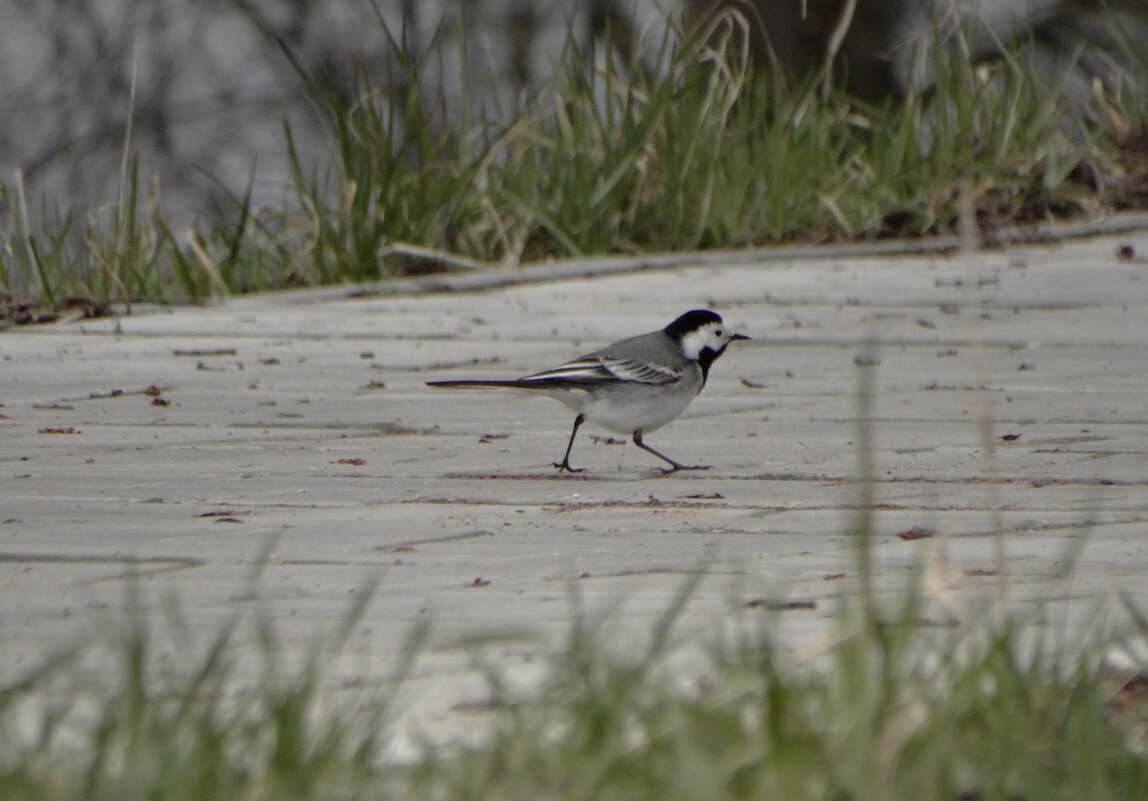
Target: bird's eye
(718, 332)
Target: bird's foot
(566, 466)
(676, 467)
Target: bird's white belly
(625, 412)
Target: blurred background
(209, 110)
(207, 85)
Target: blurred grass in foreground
(902, 709)
(708, 155)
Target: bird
(634, 386)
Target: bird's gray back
(655, 348)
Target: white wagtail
(634, 386)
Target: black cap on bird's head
(696, 320)
(691, 321)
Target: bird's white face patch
(714, 336)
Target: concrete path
(280, 453)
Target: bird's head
(702, 336)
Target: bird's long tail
(474, 384)
(514, 383)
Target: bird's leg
(565, 465)
(674, 465)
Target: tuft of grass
(700, 151)
(402, 175)
(144, 714)
(904, 715)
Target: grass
(708, 155)
(898, 710)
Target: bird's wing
(599, 369)
(641, 372)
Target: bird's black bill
(738, 336)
